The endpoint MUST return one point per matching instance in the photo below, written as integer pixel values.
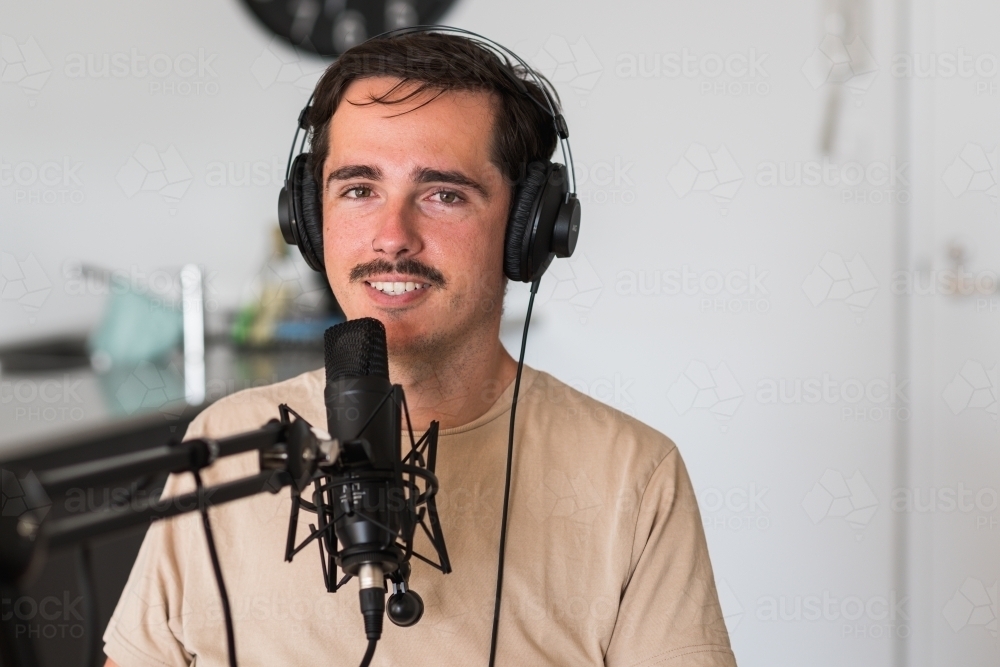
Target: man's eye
(359, 192)
(448, 197)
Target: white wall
(224, 115)
(697, 364)
(954, 443)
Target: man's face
(414, 214)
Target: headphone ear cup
(517, 257)
(309, 212)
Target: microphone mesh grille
(356, 348)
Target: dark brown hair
(523, 131)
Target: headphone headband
(562, 128)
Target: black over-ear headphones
(544, 219)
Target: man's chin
(405, 331)
(410, 349)
(415, 340)
(421, 333)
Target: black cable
(86, 579)
(230, 637)
(367, 660)
(295, 139)
(506, 484)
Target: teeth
(397, 287)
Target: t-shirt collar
(500, 406)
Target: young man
(606, 557)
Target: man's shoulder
(248, 410)
(571, 411)
(251, 408)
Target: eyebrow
(353, 171)
(418, 175)
(425, 175)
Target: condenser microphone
(363, 413)
(370, 501)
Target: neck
(454, 386)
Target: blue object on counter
(136, 328)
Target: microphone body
(365, 417)
(363, 414)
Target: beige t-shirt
(606, 557)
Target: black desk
(57, 418)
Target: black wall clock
(330, 27)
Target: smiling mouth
(396, 288)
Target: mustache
(407, 265)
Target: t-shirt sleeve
(146, 629)
(669, 612)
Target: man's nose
(396, 235)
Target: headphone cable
(506, 484)
(85, 575)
